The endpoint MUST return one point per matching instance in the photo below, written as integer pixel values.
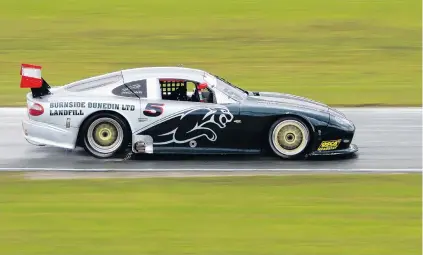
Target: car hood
(289, 100)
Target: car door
(184, 127)
(212, 125)
(208, 127)
(191, 126)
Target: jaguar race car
(174, 110)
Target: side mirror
(202, 86)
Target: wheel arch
(117, 114)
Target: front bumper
(352, 148)
(39, 133)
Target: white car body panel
(68, 106)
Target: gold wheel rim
(289, 137)
(105, 134)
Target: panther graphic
(190, 125)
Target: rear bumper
(39, 133)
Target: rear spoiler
(31, 78)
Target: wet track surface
(388, 139)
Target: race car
(177, 110)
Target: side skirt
(179, 150)
(144, 144)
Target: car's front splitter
(350, 150)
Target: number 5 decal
(153, 110)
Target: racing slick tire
(105, 135)
(289, 138)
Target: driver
(198, 92)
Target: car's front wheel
(289, 138)
(105, 135)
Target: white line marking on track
(11, 169)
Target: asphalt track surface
(389, 139)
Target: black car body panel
(255, 115)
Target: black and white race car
(178, 110)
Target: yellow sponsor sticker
(329, 145)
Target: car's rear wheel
(105, 135)
(289, 138)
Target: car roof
(161, 72)
(162, 69)
(134, 74)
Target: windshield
(230, 89)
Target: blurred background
(348, 52)
(341, 52)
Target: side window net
(169, 86)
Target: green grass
(326, 214)
(347, 52)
